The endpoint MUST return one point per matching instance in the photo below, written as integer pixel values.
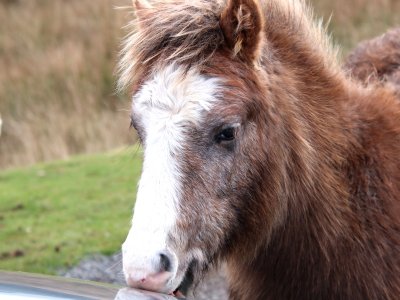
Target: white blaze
(166, 105)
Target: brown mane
(175, 31)
(190, 33)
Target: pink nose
(153, 280)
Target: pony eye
(227, 134)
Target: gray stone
(108, 269)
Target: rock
(108, 269)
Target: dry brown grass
(56, 85)
(57, 59)
(355, 20)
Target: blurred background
(68, 160)
(56, 83)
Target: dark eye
(227, 134)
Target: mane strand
(189, 32)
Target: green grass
(52, 215)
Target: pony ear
(140, 7)
(242, 23)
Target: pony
(260, 153)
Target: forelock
(185, 32)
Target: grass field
(57, 91)
(58, 57)
(352, 21)
(52, 215)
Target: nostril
(165, 263)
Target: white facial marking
(166, 106)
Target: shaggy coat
(310, 208)
(377, 60)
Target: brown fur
(306, 203)
(377, 59)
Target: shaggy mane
(189, 32)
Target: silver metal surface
(18, 286)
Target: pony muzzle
(150, 272)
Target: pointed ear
(141, 6)
(242, 23)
